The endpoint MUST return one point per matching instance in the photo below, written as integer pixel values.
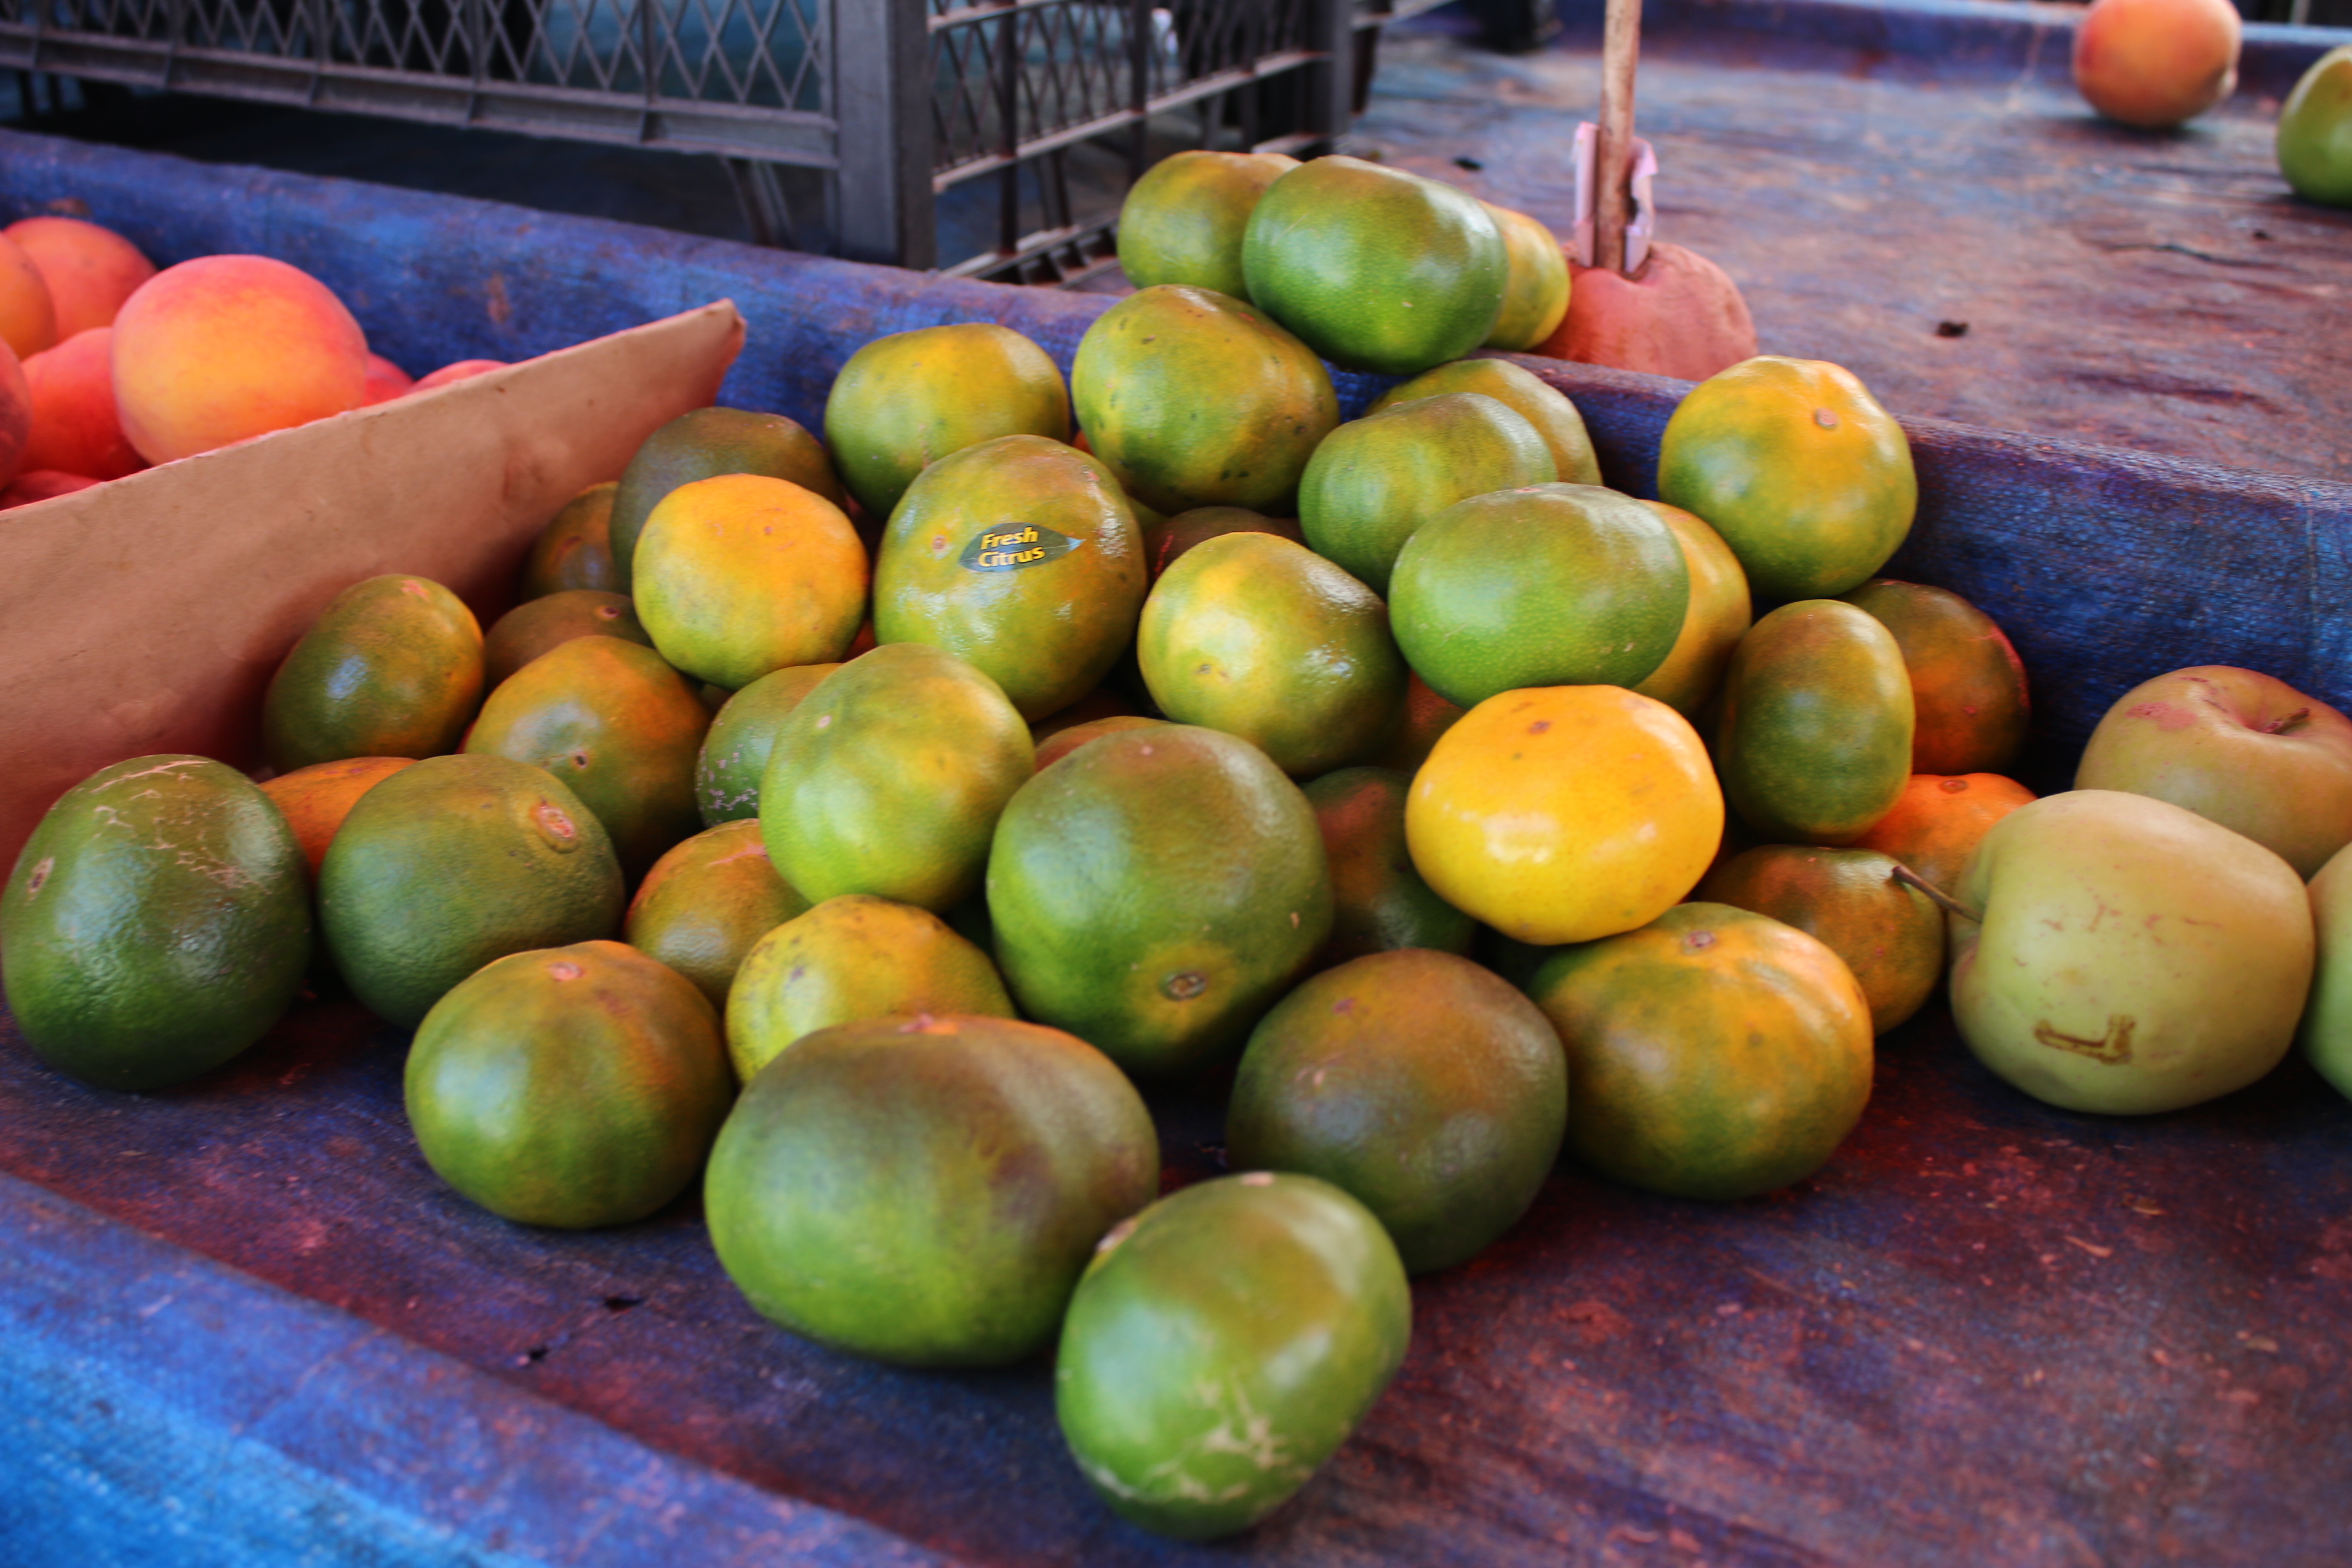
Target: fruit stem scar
(2294, 720)
(1936, 895)
(1184, 985)
(2114, 1049)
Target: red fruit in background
(90, 270)
(76, 429)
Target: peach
(2157, 63)
(42, 484)
(75, 426)
(90, 270)
(464, 369)
(224, 348)
(385, 381)
(16, 413)
(29, 318)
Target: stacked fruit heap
(106, 366)
(1117, 774)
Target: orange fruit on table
(91, 270)
(1806, 477)
(316, 799)
(1379, 903)
(741, 573)
(706, 903)
(1540, 586)
(1376, 268)
(1170, 537)
(391, 667)
(703, 444)
(1814, 734)
(1053, 748)
(1555, 419)
(1890, 935)
(224, 348)
(1183, 221)
(1967, 685)
(1720, 614)
(742, 740)
(618, 726)
(535, 625)
(1535, 287)
(1374, 480)
(575, 549)
(2156, 64)
(1019, 556)
(1263, 638)
(1193, 398)
(1713, 1053)
(1426, 717)
(1934, 824)
(1566, 812)
(905, 401)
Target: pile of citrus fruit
(108, 365)
(951, 781)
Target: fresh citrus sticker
(1008, 547)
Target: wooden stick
(1620, 49)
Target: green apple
(2327, 1032)
(2315, 131)
(2131, 957)
(2248, 752)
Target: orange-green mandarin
(905, 401)
(1426, 717)
(571, 1087)
(391, 667)
(707, 902)
(1424, 1086)
(1193, 398)
(1170, 537)
(1380, 902)
(1222, 1347)
(535, 625)
(156, 925)
(575, 549)
(1542, 585)
(1555, 419)
(1374, 268)
(1891, 935)
(316, 799)
(618, 726)
(1378, 479)
(1711, 1054)
(1053, 748)
(1266, 640)
(1934, 824)
(705, 443)
(1720, 614)
(1183, 221)
(1565, 813)
(1967, 685)
(1806, 477)
(925, 1191)
(889, 777)
(848, 958)
(1154, 891)
(2315, 131)
(741, 574)
(1534, 288)
(1813, 740)
(448, 865)
(1019, 556)
(741, 739)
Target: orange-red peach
(28, 320)
(2157, 63)
(42, 484)
(385, 381)
(16, 413)
(90, 270)
(464, 369)
(75, 426)
(224, 348)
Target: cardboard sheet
(120, 638)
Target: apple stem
(1910, 878)
(2294, 720)
(1612, 163)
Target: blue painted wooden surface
(1987, 1331)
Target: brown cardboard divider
(148, 615)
